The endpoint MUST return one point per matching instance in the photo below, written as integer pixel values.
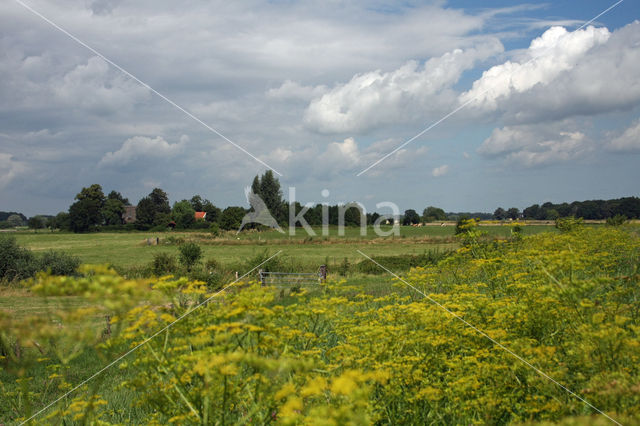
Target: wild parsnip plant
(566, 303)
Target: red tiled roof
(200, 215)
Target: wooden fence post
(261, 275)
(323, 273)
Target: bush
(163, 264)
(15, 262)
(568, 224)
(190, 254)
(58, 263)
(616, 220)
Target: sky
(503, 105)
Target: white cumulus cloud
(377, 98)
(531, 145)
(440, 171)
(629, 140)
(557, 50)
(143, 147)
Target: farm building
(129, 215)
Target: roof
(200, 215)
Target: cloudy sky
(545, 109)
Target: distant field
(129, 249)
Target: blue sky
(320, 92)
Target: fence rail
(292, 278)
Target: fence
(293, 278)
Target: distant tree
(531, 212)
(61, 221)
(85, 213)
(513, 213)
(196, 203)
(153, 210)
(410, 217)
(112, 211)
(213, 212)
(499, 214)
(115, 195)
(231, 218)
(160, 200)
(268, 188)
(15, 220)
(145, 213)
(183, 214)
(432, 214)
(36, 222)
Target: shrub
(568, 224)
(343, 268)
(163, 263)
(58, 263)
(190, 254)
(15, 262)
(616, 220)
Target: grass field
(130, 249)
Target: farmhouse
(129, 215)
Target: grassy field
(130, 249)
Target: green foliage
(112, 211)
(343, 268)
(163, 263)
(18, 263)
(214, 228)
(410, 217)
(616, 220)
(86, 213)
(231, 218)
(183, 214)
(15, 262)
(568, 224)
(15, 220)
(58, 263)
(36, 222)
(432, 214)
(464, 224)
(190, 254)
(268, 189)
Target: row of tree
(628, 207)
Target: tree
(513, 213)
(431, 214)
(61, 221)
(160, 201)
(15, 220)
(112, 211)
(190, 254)
(196, 203)
(268, 188)
(183, 214)
(410, 217)
(153, 210)
(499, 214)
(213, 212)
(231, 218)
(86, 213)
(36, 222)
(115, 195)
